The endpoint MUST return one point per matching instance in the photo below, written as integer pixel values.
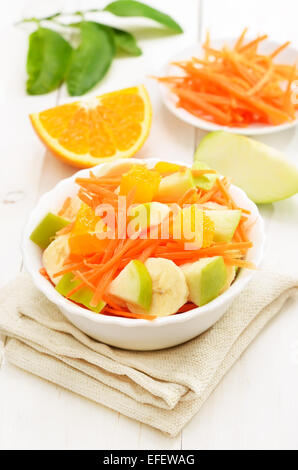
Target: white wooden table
(256, 404)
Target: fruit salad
(143, 243)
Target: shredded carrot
(236, 87)
(218, 249)
(280, 49)
(65, 206)
(103, 284)
(202, 172)
(207, 196)
(97, 270)
(224, 191)
(68, 228)
(112, 181)
(238, 262)
(148, 251)
(251, 44)
(240, 40)
(126, 313)
(186, 307)
(44, 273)
(188, 197)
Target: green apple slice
(172, 187)
(204, 181)
(133, 285)
(262, 171)
(205, 279)
(148, 214)
(45, 231)
(225, 223)
(82, 296)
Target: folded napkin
(161, 388)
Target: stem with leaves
(51, 58)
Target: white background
(256, 404)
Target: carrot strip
(240, 40)
(239, 262)
(202, 172)
(207, 196)
(99, 190)
(148, 252)
(206, 44)
(224, 191)
(65, 206)
(188, 196)
(250, 44)
(124, 313)
(75, 289)
(279, 49)
(103, 284)
(262, 82)
(99, 181)
(44, 273)
(68, 228)
(186, 307)
(110, 250)
(193, 98)
(204, 252)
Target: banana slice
(169, 288)
(231, 274)
(54, 255)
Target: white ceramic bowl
(288, 56)
(130, 333)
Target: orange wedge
(103, 128)
(83, 239)
(145, 181)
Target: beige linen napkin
(161, 388)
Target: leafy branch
(51, 58)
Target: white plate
(288, 56)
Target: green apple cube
(172, 187)
(261, 171)
(45, 231)
(206, 181)
(205, 279)
(133, 285)
(225, 223)
(82, 296)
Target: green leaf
(134, 8)
(47, 61)
(126, 42)
(92, 59)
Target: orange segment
(166, 167)
(145, 181)
(208, 231)
(85, 133)
(83, 239)
(58, 122)
(191, 220)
